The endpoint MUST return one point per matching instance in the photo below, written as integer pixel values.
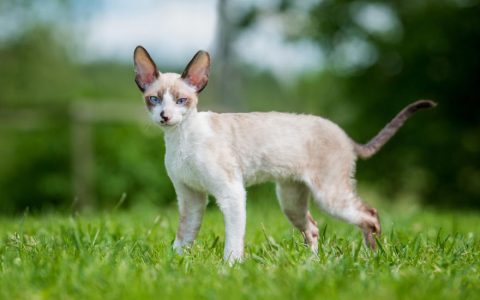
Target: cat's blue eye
(154, 100)
(181, 101)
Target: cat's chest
(183, 165)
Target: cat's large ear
(197, 71)
(145, 69)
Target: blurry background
(74, 132)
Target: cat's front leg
(232, 202)
(191, 205)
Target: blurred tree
(36, 68)
(37, 73)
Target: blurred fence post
(82, 157)
(84, 115)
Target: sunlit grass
(127, 255)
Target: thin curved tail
(367, 150)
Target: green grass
(127, 255)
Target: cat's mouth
(167, 124)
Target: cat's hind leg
(337, 197)
(293, 198)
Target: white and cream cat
(221, 154)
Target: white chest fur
(185, 151)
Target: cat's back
(274, 125)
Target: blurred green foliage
(130, 161)
(431, 52)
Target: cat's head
(170, 97)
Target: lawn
(126, 254)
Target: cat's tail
(367, 150)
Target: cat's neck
(174, 134)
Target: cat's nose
(164, 117)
